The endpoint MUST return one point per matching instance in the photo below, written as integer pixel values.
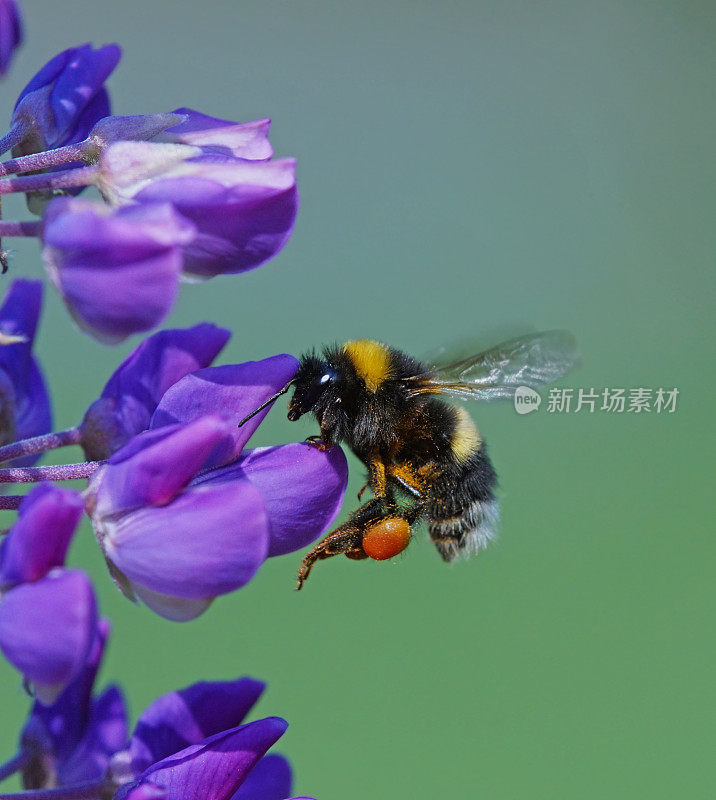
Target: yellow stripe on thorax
(371, 361)
(466, 439)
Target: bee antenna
(267, 403)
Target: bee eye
(329, 376)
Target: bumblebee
(425, 457)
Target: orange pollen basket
(386, 538)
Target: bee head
(314, 382)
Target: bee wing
(495, 374)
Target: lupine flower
(214, 769)
(48, 614)
(132, 394)
(183, 718)
(64, 100)
(243, 210)
(10, 33)
(183, 515)
(72, 740)
(24, 401)
(247, 140)
(117, 271)
(61, 104)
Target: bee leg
(344, 540)
(319, 442)
(363, 491)
(377, 480)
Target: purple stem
(14, 136)
(8, 228)
(64, 472)
(40, 444)
(80, 791)
(50, 158)
(10, 502)
(82, 176)
(15, 764)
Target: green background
(466, 168)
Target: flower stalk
(15, 135)
(63, 472)
(48, 158)
(68, 179)
(18, 762)
(40, 444)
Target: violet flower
(247, 140)
(48, 614)
(72, 740)
(243, 210)
(132, 394)
(213, 769)
(11, 34)
(24, 400)
(183, 515)
(64, 100)
(180, 719)
(118, 272)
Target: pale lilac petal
(39, 539)
(270, 779)
(47, 629)
(232, 391)
(155, 466)
(302, 488)
(209, 541)
(118, 272)
(180, 719)
(242, 140)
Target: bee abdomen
(464, 514)
(468, 533)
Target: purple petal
(145, 791)
(155, 466)
(232, 391)
(209, 541)
(214, 769)
(242, 140)
(302, 488)
(106, 733)
(60, 726)
(47, 629)
(38, 541)
(134, 390)
(19, 316)
(270, 779)
(118, 273)
(82, 77)
(10, 32)
(76, 76)
(180, 719)
(244, 211)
